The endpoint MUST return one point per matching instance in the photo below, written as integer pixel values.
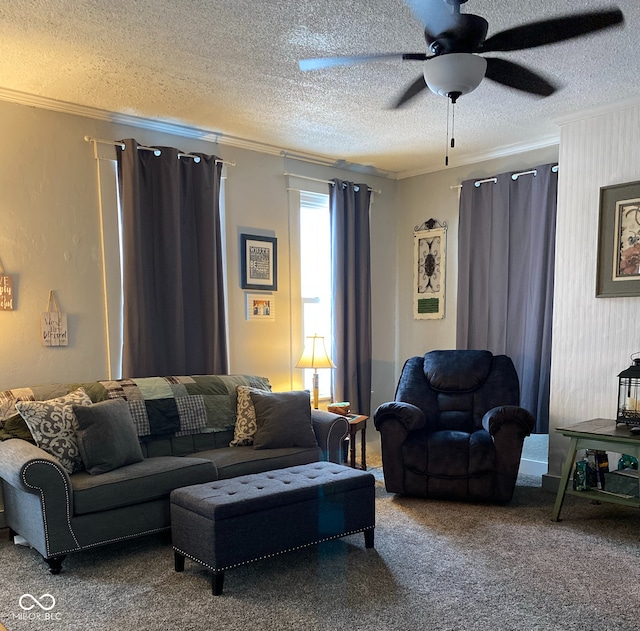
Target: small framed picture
(261, 307)
(619, 241)
(259, 262)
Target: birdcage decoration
(629, 393)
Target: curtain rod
(155, 150)
(514, 177)
(315, 179)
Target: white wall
(50, 239)
(593, 338)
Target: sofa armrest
(17, 457)
(331, 430)
(44, 521)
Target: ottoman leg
(178, 560)
(217, 582)
(368, 538)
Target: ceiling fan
(455, 40)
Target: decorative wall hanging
(6, 291)
(619, 241)
(259, 262)
(54, 324)
(429, 255)
(261, 307)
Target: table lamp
(315, 356)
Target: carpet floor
(436, 565)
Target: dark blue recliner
(454, 430)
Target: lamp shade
(454, 73)
(315, 354)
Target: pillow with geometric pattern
(53, 426)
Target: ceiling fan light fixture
(454, 73)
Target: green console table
(603, 434)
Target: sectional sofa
(184, 433)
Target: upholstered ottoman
(230, 522)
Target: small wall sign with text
(6, 293)
(53, 325)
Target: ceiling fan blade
(551, 31)
(517, 76)
(332, 62)
(436, 16)
(413, 90)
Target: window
(315, 277)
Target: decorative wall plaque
(429, 253)
(6, 293)
(54, 324)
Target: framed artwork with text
(258, 262)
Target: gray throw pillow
(106, 436)
(283, 419)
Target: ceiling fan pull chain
(453, 124)
(446, 150)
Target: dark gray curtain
(351, 284)
(506, 254)
(174, 316)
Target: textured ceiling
(231, 67)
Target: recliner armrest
(330, 430)
(508, 425)
(511, 416)
(408, 415)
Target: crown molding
(599, 110)
(218, 137)
(500, 152)
(184, 131)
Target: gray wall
(432, 195)
(50, 238)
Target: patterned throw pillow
(53, 426)
(246, 425)
(8, 400)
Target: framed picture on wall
(261, 307)
(618, 272)
(429, 261)
(259, 262)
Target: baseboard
(532, 467)
(550, 483)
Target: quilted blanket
(159, 405)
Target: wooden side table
(357, 423)
(601, 434)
